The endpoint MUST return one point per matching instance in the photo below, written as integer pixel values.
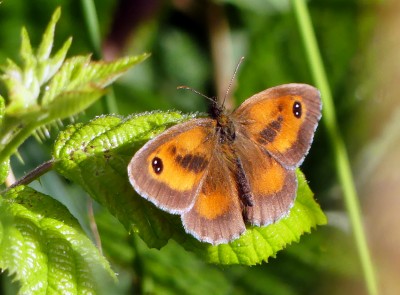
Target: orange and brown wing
(282, 120)
(169, 169)
(273, 187)
(216, 216)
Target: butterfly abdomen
(227, 136)
(244, 189)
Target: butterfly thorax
(225, 126)
(226, 130)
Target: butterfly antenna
(197, 92)
(232, 79)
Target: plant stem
(92, 23)
(90, 14)
(15, 135)
(341, 157)
(34, 174)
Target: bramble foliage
(41, 243)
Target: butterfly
(227, 170)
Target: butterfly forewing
(281, 119)
(169, 169)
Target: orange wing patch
(270, 179)
(212, 202)
(216, 216)
(271, 123)
(184, 159)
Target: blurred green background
(198, 44)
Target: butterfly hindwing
(216, 216)
(273, 187)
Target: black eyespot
(157, 165)
(297, 110)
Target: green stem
(341, 157)
(92, 23)
(90, 14)
(17, 137)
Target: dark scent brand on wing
(193, 163)
(269, 133)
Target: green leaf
(2, 109)
(70, 103)
(4, 168)
(47, 68)
(80, 73)
(48, 88)
(44, 50)
(96, 155)
(24, 83)
(46, 249)
(26, 50)
(5, 165)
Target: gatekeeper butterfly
(226, 170)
